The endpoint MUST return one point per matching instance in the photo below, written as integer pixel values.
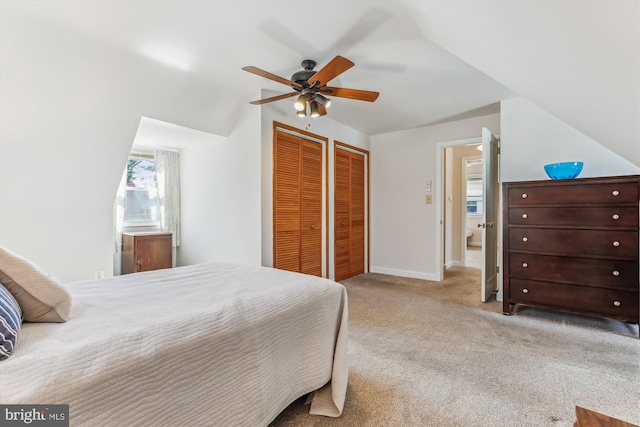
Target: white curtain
(118, 212)
(168, 175)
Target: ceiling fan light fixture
(301, 103)
(322, 100)
(313, 106)
(309, 86)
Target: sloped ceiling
(431, 61)
(578, 60)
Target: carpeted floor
(431, 354)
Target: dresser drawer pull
(615, 216)
(524, 195)
(525, 291)
(615, 192)
(616, 303)
(616, 273)
(616, 243)
(525, 216)
(525, 265)
(524, 239)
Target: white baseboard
(403, 273)
(450, 264)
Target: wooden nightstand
(146, 251)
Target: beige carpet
(431, 354)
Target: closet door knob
(343, 224)
(616, 273)
(313, 227)
(616, 303)
(615, 216)
(615, 192)
(616, 243)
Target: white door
(489, 214)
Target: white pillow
(42, 297)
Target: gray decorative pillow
(42, 297)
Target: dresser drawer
(589, 243)
(610, 216)
(602, 273)
(608, 302)
(569, 193)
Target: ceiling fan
(311, 86)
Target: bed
(215, 344)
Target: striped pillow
(10, 322)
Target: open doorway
(462, 207)
(451, 196)
(472, 210)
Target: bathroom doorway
(472, 210)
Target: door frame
(439, 196)
(440, 202)
(338, 145)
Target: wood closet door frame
(277, 126)
(365, 153)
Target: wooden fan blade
(360, 95)
(270, 76)
(274, 98)
(337, 66)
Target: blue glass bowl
(565, 170)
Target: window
(148, 197)
(474, 195)
(142, 204)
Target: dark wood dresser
(572, 245)
(146, 251)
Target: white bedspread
(206, 345)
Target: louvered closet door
(311, 212)
(342, 208)
(297, 204)
(287, 202)
(357, 214)
(349, 214)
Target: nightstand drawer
(589, 243)
(610, 216)
(613, 303)
(569, 193)
(601, 273)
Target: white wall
(531, 138)
(69, 109)
(221, 197)
(403, 226)
(219, 191)
(283, 112)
